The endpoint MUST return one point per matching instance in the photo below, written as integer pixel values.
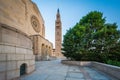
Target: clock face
(35, 24)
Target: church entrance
(22, 69)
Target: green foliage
(115, 63)
(92, 39)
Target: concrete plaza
(54, 70)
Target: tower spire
(58, 10)
(58, 15)
(58, 34)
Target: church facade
(22, 38)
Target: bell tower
(58, 34)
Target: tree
(92, 39)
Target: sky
(72, 11)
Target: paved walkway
(54, 70)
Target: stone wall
(77, 63)
(24, 15)
(42, 48)
(15, 50)
(109, 69)
(20, 19)
(113, 71)
(18, 14)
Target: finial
(58, 10)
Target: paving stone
(75, 75)
(73, 79)
(96, 75)
(54, 70)
(74, 69)
(56, 77)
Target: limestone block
(8, 49)
(0, 49)
(29, 51)
(19, 37)
(3, 57)
(0, 34)
(85, 63)
(20, 57)
(27, 62)
(21, 40)
(28, 43)
(2, 76)
(11, 56)
(32, 62)
(30, 69)
(24, 41)
(2, 66)
(21, 51)
(28, 56)
(38, 57)
(33, 57)
(12, 74)
(19, 63)
(11, 65)
(33, 67)
(8, 36)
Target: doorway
(22, 69)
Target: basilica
(22, 38)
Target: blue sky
(73, 10)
